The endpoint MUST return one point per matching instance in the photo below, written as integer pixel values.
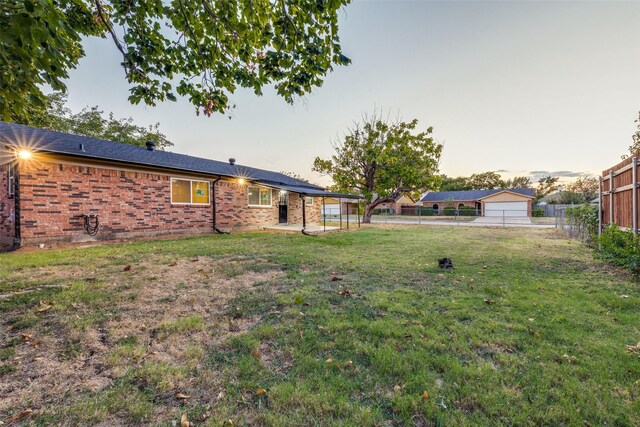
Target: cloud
(562, 174)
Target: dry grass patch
(147, 326)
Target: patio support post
(634, 195)
(358, 212)
(347, 215)
(340, 210)
(324, 216)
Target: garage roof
(472, 195)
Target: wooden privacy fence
(619, 194)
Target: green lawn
(357, 328)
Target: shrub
(537, 212)
(466, 211)
(585, 219)
(621, 248)
(449, 211)
(425, 211)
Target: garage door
(505, 208)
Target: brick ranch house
(511, 202)
(54, 186)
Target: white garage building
(508, 202)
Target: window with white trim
(308, 201)
(11, 179)
(258, 196)
(189, 192)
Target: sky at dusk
(524, 88)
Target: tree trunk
(366, 216)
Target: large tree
(485, 181)
(454, 184)
(586, 187)
(546, 185)
(203, 50)
(92, 121)
(381, 160)
(518, 182)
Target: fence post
(634, 195)
(611, 197)
(599, 208)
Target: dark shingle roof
(469, 195)
(62, 143)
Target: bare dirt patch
(161, 313)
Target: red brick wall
(54, 197)
(233, 210)
(313, 212)
(7, 205)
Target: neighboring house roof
(48, 141)
(472, 195)
(402, 196)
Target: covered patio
(306, 228)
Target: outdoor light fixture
(24, 154)
(241, 181)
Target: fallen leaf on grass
(182, 396)
(397, 388)
(489, 301)
(344, 292)
(220, 395)
(173, 264)
(534, 332)
(425, 395)
(260, 391)
(256, 354)
(635, 349)
(335, 278)
(127, 268)
(20, 415)
(43, 307)
(184, 421)
(570, 359)
(348, 363)
(228, 422)
(329, 360)
(26, 337)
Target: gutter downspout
(213, 204)
(17, 240)
(304, 216)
